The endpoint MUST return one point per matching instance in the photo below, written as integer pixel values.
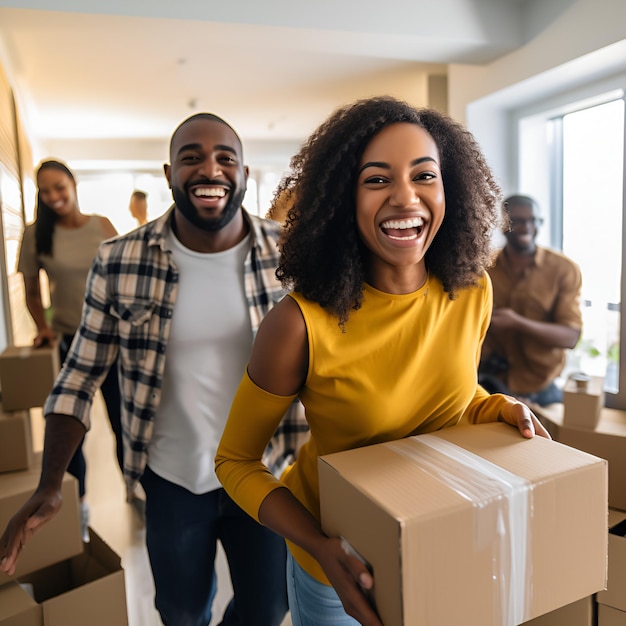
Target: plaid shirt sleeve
(283, 448)
(93, 350)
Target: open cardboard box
(58, 539)
(471, 525)
(85, 590)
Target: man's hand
(504, 319)
(39, 509)
(518, 414)
(45, 337)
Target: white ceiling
(88, 72)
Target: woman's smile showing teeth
(404, 229)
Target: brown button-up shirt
(547, 291)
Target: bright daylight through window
(593, 168)
(571, 158)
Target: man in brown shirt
(536, 312)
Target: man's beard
(186, 207)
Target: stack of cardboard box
(607, 439)
(473, 525)
(59, 580)
(601, 432)
(26, 378)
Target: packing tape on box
(503, 505)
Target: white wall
(586, 43)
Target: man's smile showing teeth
(209, 192)
(406, 229)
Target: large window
(572, 160)
(592, 183)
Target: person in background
(385, 247)
(536, 311)
(63, 242)
(138, 206)
(179, 300)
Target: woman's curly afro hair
(322, 256)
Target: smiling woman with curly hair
(322, 254)
(385, 246)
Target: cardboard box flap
(616, 516)
(619, 529)
(85, 589)
(17, 608)
(102, 552)
(96, 562)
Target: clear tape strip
(502, 502)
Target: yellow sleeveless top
(403, 365)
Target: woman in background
(63, 242)
(385, 247)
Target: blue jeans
(543, 397)
(548, 395)
(311, 602)
(182, 530)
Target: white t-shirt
(207, 352)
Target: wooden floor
(120, 525)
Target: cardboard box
(615, 594)
(471, 525)
(27, 375)
(59, 539)
(583, 401)
(16, 441)
(17, 608)
(608, 441)
(616, 516)
(579, 613)
(85, 590)
(608, 616)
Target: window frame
(552, 109)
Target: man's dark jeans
(547, 395)
(182, 530)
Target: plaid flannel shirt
(130, 296)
